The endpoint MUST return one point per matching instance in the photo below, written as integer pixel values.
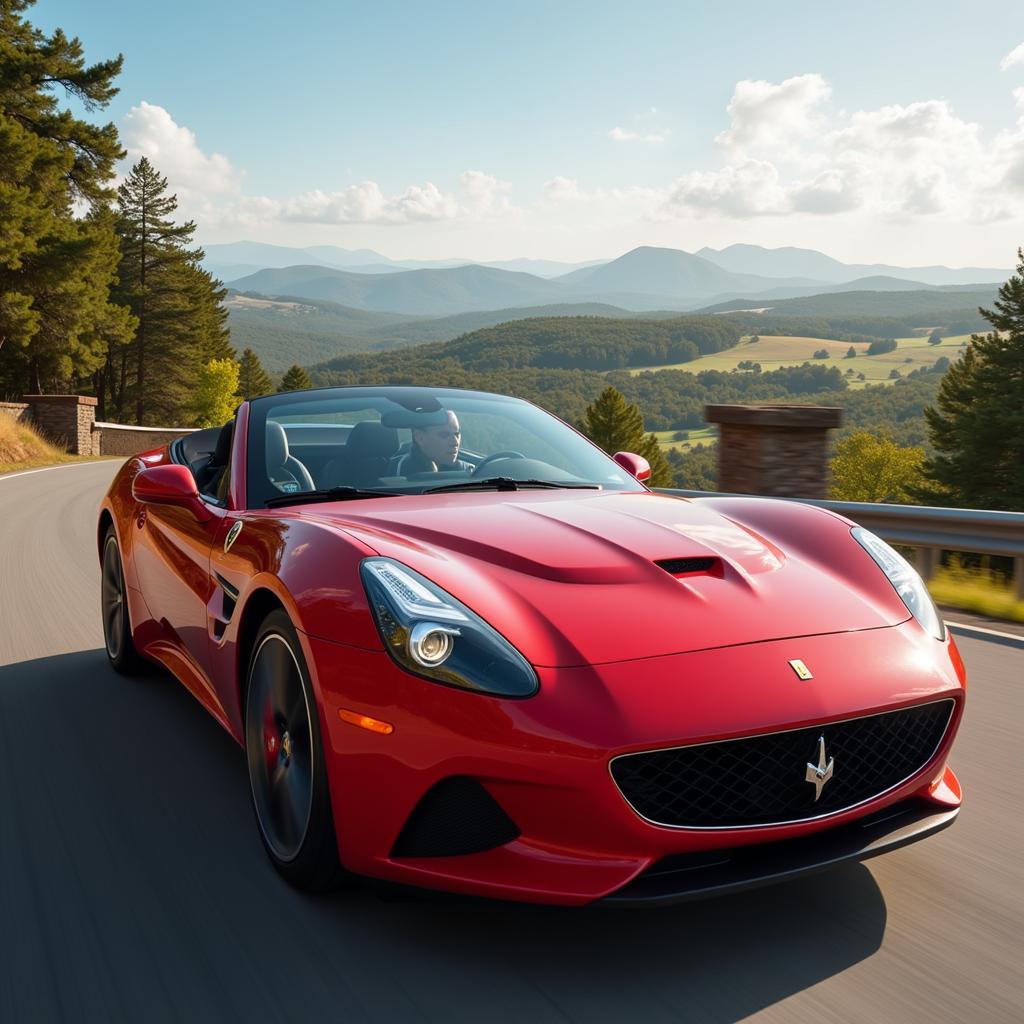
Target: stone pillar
(66, 420)
(774, 450)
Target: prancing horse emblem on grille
(820, 773)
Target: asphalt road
(133, 886)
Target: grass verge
(22, 448)
(977, 591)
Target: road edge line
(46, 469)
(981, 633)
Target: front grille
(761, 780)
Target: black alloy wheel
(117, 630)
(286, 762)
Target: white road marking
(987, 632)
(46, 469)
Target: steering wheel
(495, 457)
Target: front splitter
(678, 879)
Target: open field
(703, 435)
(774, 352)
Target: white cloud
(1015, 56)
(149, 130)
(484, 195)
(560, 188)
(787, 151)
(763, 112)
(618, 134)
(747, 189)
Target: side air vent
(688, 566)
(455, 817)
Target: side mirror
(636, 465)
(170, 485)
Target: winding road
(133, 886)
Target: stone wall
(118, 439)
(65, 420)
(19, 410)
(774, 450)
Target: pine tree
(296, 379)
(977, 427)
(616, 426)
(182, 323)
(253, 380)
(56, 267)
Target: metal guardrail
(928, 530)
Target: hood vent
(710, 566)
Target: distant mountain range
(788, 261)
(238, 259)
(644, 278)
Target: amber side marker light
(366, 722)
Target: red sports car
(465, 649)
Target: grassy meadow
(667, 442)
(774, 352)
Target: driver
(435, 449)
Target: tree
(695, 470)
(977, 424)
(870, 468)
(881, 346)
(253, 380)
(216, 393)
(822, 353)
(851, 353)
(296, 379)
(181, 321)
(935, 338)
(616, 426)
(57, 253)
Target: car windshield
(412, 441)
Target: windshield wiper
(506, 483)
(327, 494)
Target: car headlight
(430, 633)
(905, 579)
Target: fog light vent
(455, 817)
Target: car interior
(304, 456)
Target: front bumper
(687, 877)
(545, 761)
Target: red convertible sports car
(464, 649)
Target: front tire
(117, 627)
(284, 752)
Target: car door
(172, 559)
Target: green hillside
(448, 327)
(305, 331)
(562, 364)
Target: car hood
(574, 578)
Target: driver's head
(440, 444)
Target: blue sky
(586, 128)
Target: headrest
(372, 440)
(429, 414)
(222, 452)
(277, 445)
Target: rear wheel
(286, 760)
(117, 629)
